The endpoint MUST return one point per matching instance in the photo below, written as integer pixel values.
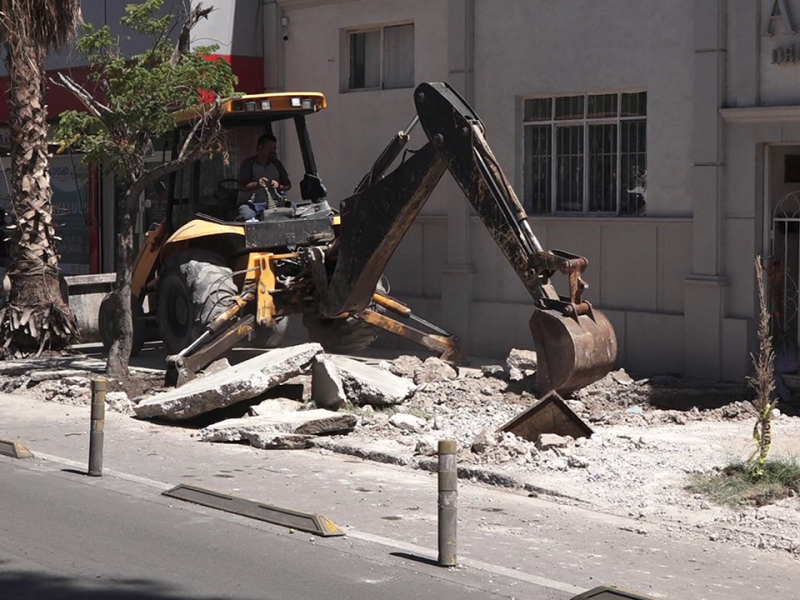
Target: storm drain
(295, 519)
(14, 449)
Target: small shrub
(742, 484)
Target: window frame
(346, 51)
(585, 122)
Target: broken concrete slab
(383, 451)
(278, 441)
(275, 405)
(365, 384)
(305, 422)
(243, 381)
(327, 389)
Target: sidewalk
(525, 541)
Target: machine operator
(258, 175)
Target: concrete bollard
(448, 502)
(97, 427)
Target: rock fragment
(407, 422)
(275, 405)
(405, 365)
(425, 447)
(119, 402)
(547, 441)
(520, 364)
(434, 370)
(365, 384)
(327, 389)
(483, 441)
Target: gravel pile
(650, 437)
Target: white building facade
(658, 138)
(618, 124)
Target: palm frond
(46, 23)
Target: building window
(586, 154)
(381, 58)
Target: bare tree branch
(92, 104)
(182, 46)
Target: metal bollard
(448, 502)
(98, 425)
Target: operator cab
(208, 188)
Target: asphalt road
(64, 536)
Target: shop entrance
(782, 260)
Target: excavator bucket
(572, 352)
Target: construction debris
(327, 389)
(274, 405)
(407, 422)
(241, 382)
(264, 427)
(521, 364)
(365, 384)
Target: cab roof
(274, 106)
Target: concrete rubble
(274, 405)
(327, 388)
(365, 384)
(270, 430)
(521, 364)
(385, 416)
(225, 388)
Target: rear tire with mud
(195, 286)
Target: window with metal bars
(586, 154)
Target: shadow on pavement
(33, 585)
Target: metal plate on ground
(295, 519)
(608, 593)
(14, 449)
(550, 415)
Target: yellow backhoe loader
(212, 283)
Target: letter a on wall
(779, 12)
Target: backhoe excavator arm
(575, 344)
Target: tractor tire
(194, 287)
(108, 329)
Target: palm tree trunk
(36, 316)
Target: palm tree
(36, 316)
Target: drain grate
(14, 449)
(302, 521)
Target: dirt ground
(649, 437)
